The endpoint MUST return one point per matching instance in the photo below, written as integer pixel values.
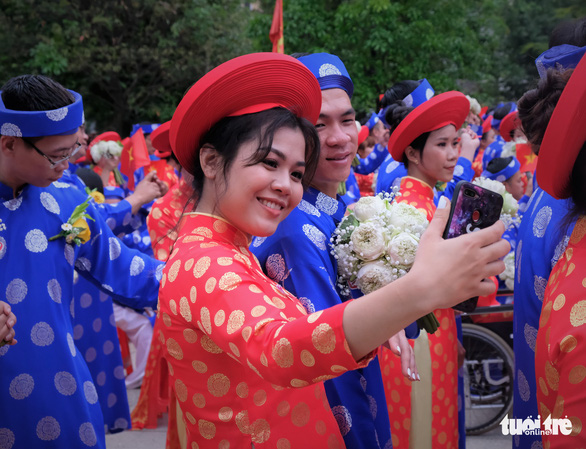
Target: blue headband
(146, 129)
(329, 71)
(57, 122)
(420, 95)
(563, 56)
(373, 120)
(513, 167)
(495, 123)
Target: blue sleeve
(352, 190)
(372, 161)
(130, 277)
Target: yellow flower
(84, 235)
(98, 197)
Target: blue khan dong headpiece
(513, 167)
(57, 122)
(329, 71)
(562, 56)
(373, 120)
(146, 129)
(420, 95)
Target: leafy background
(133, 60)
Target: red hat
(363, 134)
(243, 85)
(564, 137)
(107, 136)
(160, 140)
(509, 123)
(483, 110)
(487, 124)
(449, 108)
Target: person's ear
(8, 143)
(412, 154)
(210, 161)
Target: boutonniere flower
(76, 229)
(98, 197)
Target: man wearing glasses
(44, 376)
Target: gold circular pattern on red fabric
(298, 383)
(219, 318)
(192, 294)
(203, 231)
(323, 378)
(199, 366)
(166, 319)
(260, 431)
(577, 374)
(184, 309)
(552, 376)
(578, 314)
(209, 345)
(282, 353)
(210, 285)
(576, 425)
(225, 261)
(242, 390)
(558, 408)
(254, 288)
(205, 320)
(262, 323)
(338, 369)
(174, 270)
(201, 267)
(174, 349)
(225, 414)
(300, 414)
(283, 443)
(242, 422)
(156, 213)
(568, 343)
(323, 338)
(307, 358)
(180, 390)
(235, 321)
(579, 231)
(234, 349)
(259, 398)
(188, 265)
(314, 316)
(173, 306)
(320, 427)
(190, 417)
(258, 311)
(224, 444)
(220, 226)
(218, 385)
(199, 400)
(283, 408)
(208, 245)
(190, 335)
(278, 302)
(571, 268)
(206, 429)
(559, 302)
(229, 281)
(263, 360)
(246, 333)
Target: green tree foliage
(486, 49)
(131, 60)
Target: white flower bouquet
(108, 148)
(508, 276)
(376, 244)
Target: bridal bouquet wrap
(376, 244)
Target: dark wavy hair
(230, 133)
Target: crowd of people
(213, 259)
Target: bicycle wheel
(488, 379)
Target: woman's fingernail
(409, 371)
(413, 376)
(443, 201)
(418, 378)
(399, 349)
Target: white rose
(368, 241)
(114, 148)
(373, 276)
(510, 205)
(402, 249)
(407, 217)
(369, 207)
(495, 186)
(98, 150)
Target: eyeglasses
(74, 150)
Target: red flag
(526, 156)
(134, 155)
(276, 33)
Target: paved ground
(155, 438)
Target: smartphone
(473, 208)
